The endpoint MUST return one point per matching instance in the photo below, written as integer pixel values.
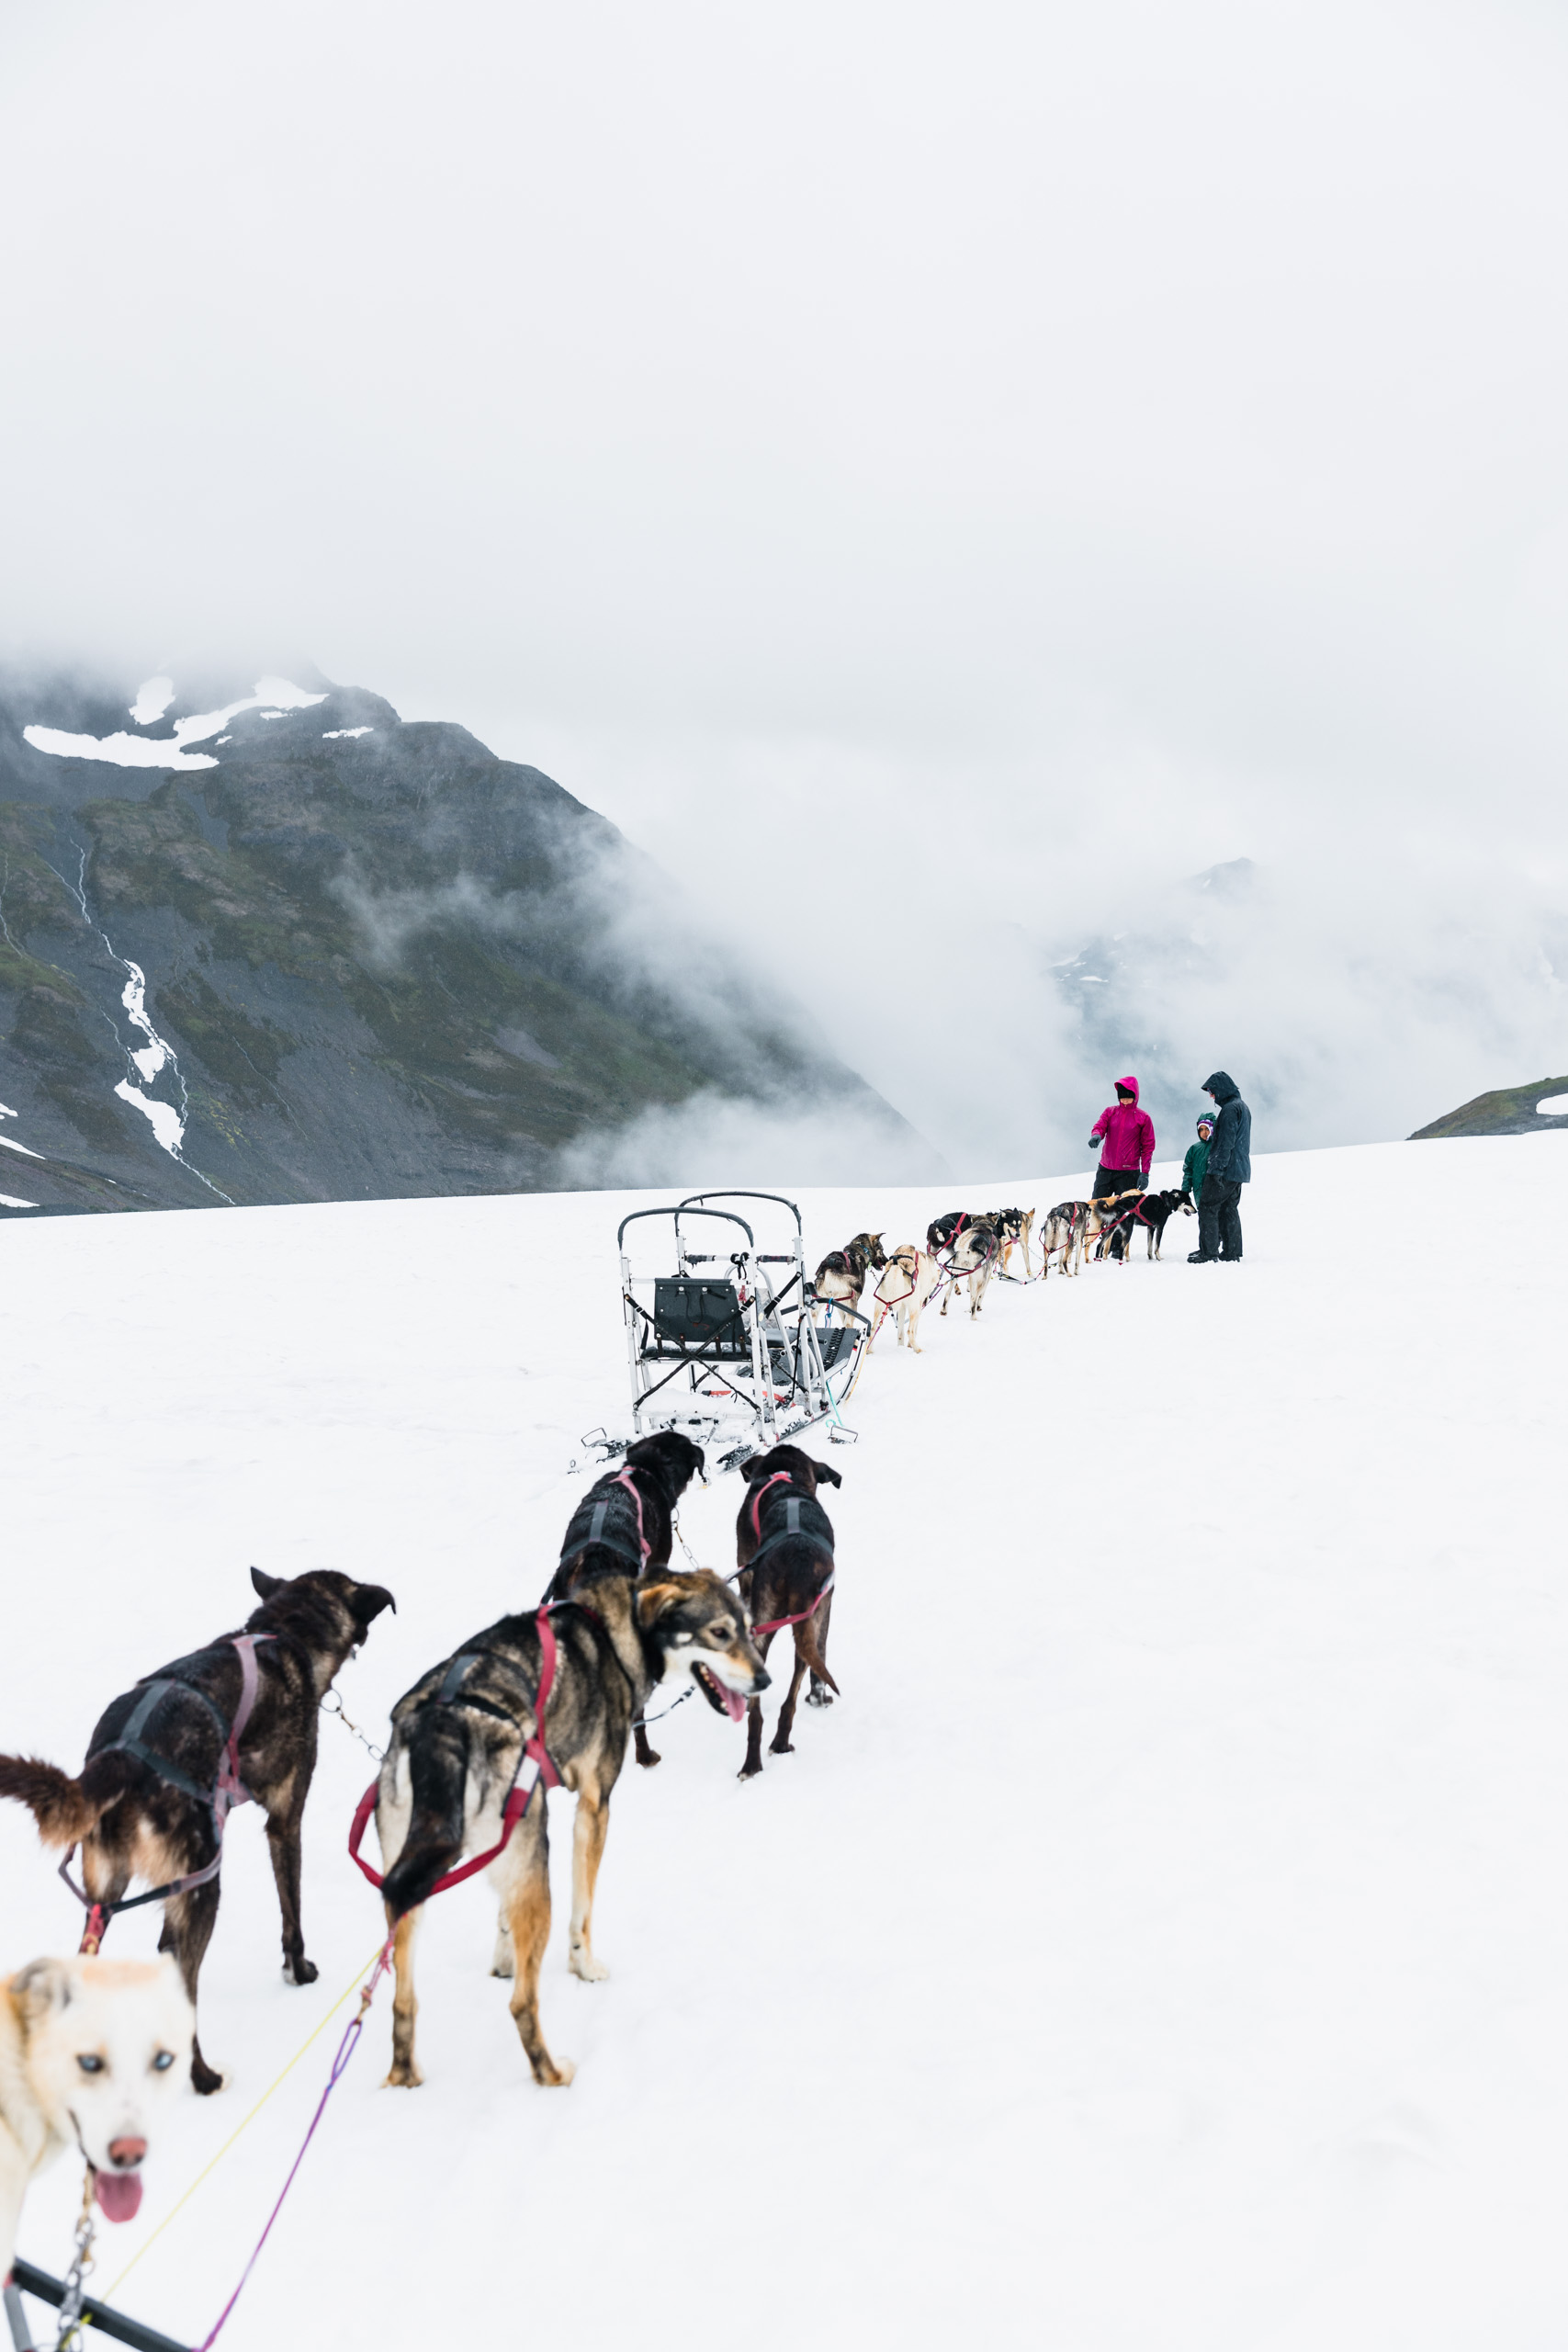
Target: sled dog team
(548, 1697)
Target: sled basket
(691, 1315)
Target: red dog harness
(533, 1751)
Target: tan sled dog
(911, 1275)
(1061, 1236)
(91, 2050)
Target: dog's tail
(805, 1642)
(438, 1769)
(60, 1806)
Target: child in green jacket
(1196, 1158)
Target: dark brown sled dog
(565, 1682)
(783, 1542)
(623, 1524)
(152, 1796)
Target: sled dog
(559, 1687)
(972, 1255)
(1101, 1221)
(168, 1758)
(1154, 1212)
(1014, 1229)
(908, 1279)
(90, 2051)
(1061, 1235)
(623, 1524)
(784, 1545)
(842, 1277)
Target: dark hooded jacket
(1230, 1146)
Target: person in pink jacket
(1126, 1138)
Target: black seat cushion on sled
(703, 1318)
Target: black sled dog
(169, 1761)
(784, 1543)
(623, 1524)
(556, 1689)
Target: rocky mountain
(1507, 1110)
(273, 943)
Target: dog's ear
(368, 1601)
(265, 1586)
(754, 1469)
(826, 1470)
(656, 1600)
(41, 1986)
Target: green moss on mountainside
(1508, 1111)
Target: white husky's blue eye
(90, 2063)
(162, 2062)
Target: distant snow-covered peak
(279, 694)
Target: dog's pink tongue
(734, 1704)
(119, 2193)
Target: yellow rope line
(320, 2027)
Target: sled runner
(726, 1346)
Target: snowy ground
(1164, 1943)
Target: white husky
(91, 2050)
(910, 1278)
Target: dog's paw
(404, 2078)
(301, 1971)
(555, 2073)
(819, 1696)
(582, 1964)
(652, 1757)
(780, 1747)
(749, 1772)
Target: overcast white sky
(1010, 458)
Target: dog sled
(733, 1344)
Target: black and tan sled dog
(623, 1524)
(169, 1761)
(783, 1542)
(551, 1694)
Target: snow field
(1161, 1944)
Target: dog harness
(795, 1505)
(602, 1518)
(517, 1799)
(227, 1790)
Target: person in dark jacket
(1197, 1159)
(1229, 1167)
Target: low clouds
(934, 485)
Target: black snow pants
(1219, 1219)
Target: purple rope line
(345, 2051)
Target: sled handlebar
(684, 1209)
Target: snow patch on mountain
(170, 751)
(152, 699)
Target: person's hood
(1221, 1086)
(1131, 1086)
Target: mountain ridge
(319, 952)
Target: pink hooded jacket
(1126, 1134)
